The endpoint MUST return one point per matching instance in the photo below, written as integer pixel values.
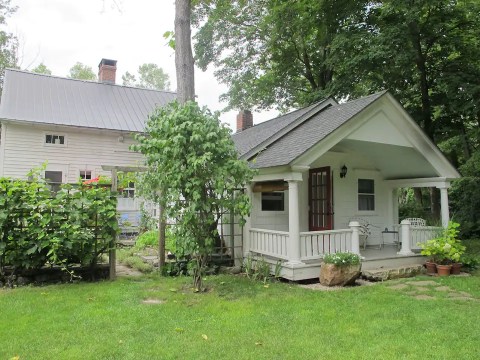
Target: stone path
(430, 290)
(123, 271)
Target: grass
(235, 319)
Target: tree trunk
(183, 52)
(418, 195)
(161, 237)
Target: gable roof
(46, 99)
(248, 140)
(305, 135)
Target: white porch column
(293, 223)
(405, 231)
(248, 223)
(355, 226)
(444, 206)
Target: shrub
(446, 248)
(342, 259)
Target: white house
(324, 170)
(77, 126)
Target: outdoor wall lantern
(343, 171)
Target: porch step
(382, 274)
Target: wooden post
(112, 254)
(405, 231)
(161, 236)
(355, 226)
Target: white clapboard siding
(85, 149)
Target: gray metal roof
(49, 99)
(310, 132)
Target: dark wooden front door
(320, 199)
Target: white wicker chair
(364, 230)
(416, 222)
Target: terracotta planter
(443, 270)
(456, 268)
(431, 268)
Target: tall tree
(81, 72)
(271, 53)
(8, 42)
(184, 63)
(42, 69)
(150, 77)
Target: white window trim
(274, 212)
(368, 212)
(92, 175)
(44, 139)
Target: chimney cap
(108, 62)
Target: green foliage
(42, 69)
(129, 258)
(81, 72)
(8, 41)
(73, 226)
(260, 269)
(444, 249)
(147, 222)
(192, 160)
(342, 259)
(150, 77)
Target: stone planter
(333, 275)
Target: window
(129, 191)
(366, 195)
(53, 179)
(54, 139)
(273, 201)
(85, 175)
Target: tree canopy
(81, 72)
(150, 76)
(8, 42)
(42, 69)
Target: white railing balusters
(269, 242)
(315, 244)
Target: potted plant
(431, 249)
(445, 250)
(341, 268)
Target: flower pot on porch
(456, 268)
(334, 275)
(443, 270)
(431, 267)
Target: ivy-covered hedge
(38, 227)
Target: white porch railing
(421, 234)
(314, 244)
(269, 242)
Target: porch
(275, 246)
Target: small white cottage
(327, 180)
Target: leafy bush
(445, 249)
(73, 226)
(150, 238)
(130, 259)
(342, 259)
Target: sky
(60, 33)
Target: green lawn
(241, 320)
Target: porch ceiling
(393, 161)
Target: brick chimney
(244, 120)
(107, 70)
